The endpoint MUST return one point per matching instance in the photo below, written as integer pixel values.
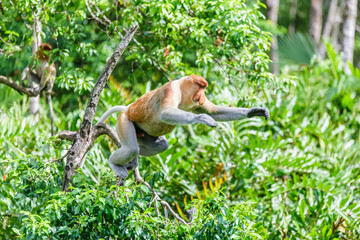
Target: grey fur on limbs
(176, 116)
(146, 146)
(123, 170)
(150, 145)
(224, 114)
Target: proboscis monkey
(142, 125)
(45, 71)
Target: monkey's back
(145, 112)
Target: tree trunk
(293, 10)
(350, 11)
(335, 35)
(35, 101)
(316, 20)
(329, 24)
(273, 6)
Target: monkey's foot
(123, 170)
(120, 170)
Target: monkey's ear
(199, 80)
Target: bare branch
(157, 208)
(61, 158)
(337, 225)
(102, 128)
(93, 14)
(86, 135)
(165, 205)
(68, 135)
(99, 11)
(31, 92)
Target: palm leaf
(297, 48)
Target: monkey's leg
(129, 149)
(149, 145)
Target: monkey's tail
(23, 75)
(112, 110)
(51, 113)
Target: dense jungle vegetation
(294, 176)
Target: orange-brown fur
(144, 112)
(46, 71)
(200, 95)
(41, 55)
(193, 89)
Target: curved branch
(101, 129)
(68, 135)
(31, 92)
(84, 138)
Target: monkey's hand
(258, 112)
(205, 119)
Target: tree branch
(31, 92)
(68, 135)
(103, 128)
(165, 205)
(86, 135)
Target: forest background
(294, 176)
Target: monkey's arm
(224, 114)
(175, 116)
(171, 114)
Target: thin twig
(6, 43)
(93, 15)
(336, 226)
(157, 208)
(166, 213)
(61, 158)
(139, 179)
(152, 201)
(99, 11)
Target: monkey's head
(199, 86)
(43, 52)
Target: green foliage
(295, 176)
(215, 39)
(34, 207)
(226, 31)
